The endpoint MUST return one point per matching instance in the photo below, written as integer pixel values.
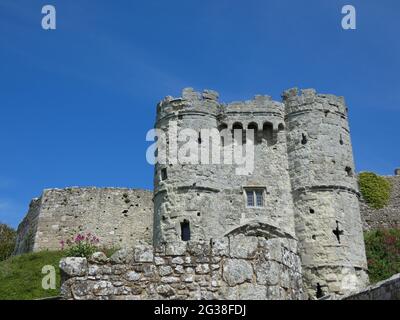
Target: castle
(302, 190)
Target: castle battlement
(308, 100)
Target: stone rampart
(236, 268)
(119, 217)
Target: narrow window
(199, 138)
(304, 139)
(268, 133)
(240, 137)
(255, 197)
(319, 292)
(253, 126)
(349, 171)
(259, 198)
(223, 133)
(164, 175)
(185, 230)
(250, 198)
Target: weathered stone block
(99, 257)
(93, 270)
(179, 269)
(202, 269)
(165, 271)
(243, 247)
(143, 253)
(177, 260)
(103, 288)
(237, 271)
(132, 276)
(220, 247)
(165, 290)
(159, 261)
(74, 267)
(170, 279)
(176, 249)
(200, 250)
(249, 291)
(149, 270)
(122, 256)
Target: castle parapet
(308, 99)
(191, 102)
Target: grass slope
(21, 276)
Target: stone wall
(387, 217)
(119, 217)
(385, 290)
(236, 268)
(27, 229)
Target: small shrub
(383, 253)
(8, 238)
(375, 189)
(81, 245)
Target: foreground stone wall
(387, 217)
(230, 268)
(119, 217)
(385, 290)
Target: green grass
(383, 253)
(21, 276)
(375, 189)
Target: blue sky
(76, 103)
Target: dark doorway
(185, 230)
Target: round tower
(184, 190)
(325, 193)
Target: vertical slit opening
(164, 175)
(319, 292)
(185, 230)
